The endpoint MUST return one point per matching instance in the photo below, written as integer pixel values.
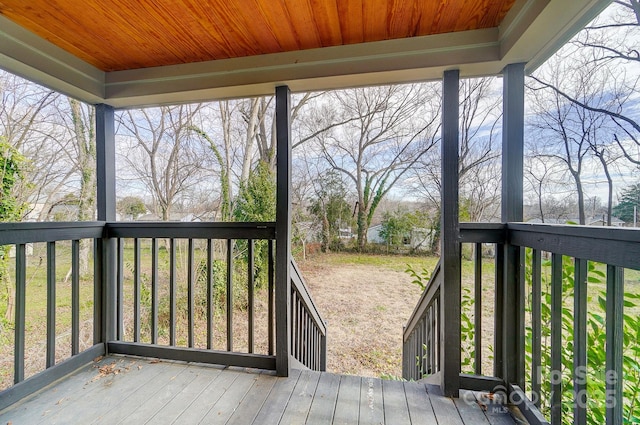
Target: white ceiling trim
(28, 55)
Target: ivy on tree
(11, 165)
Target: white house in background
(373, 234)
(420, 238)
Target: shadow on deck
(118, 389)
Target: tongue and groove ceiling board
(129, 53)
(130, 34)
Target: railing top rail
(595, 232)
(613, 246)
(610, 245)
(425, 300)
(301, 287)
(29, 232)
(483, 232)
(195, 230)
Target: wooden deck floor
(125, 390)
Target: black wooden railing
(203, 249)
(18, 238)
(208, 310)
(553, 263)
(421, 339)
(308, 329)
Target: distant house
(420, 238)
(373, 234)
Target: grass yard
(367, 299)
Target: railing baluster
(580, 342)
(154, 291)
(412, 349)
(51, 304)
(429, 351)
(229, 295)
(308, 338)
(99, 283)
(75, 297)
(294, 324)
(270, 296)
(323, 350)
(250, 283)
(303, 338)
(477, 316)
(210, 281)
(300, 328)
(556, 339)
(536, 325)
(424, 345)
(120, 290)
(421, 355)
(498, 355)
(136, 290)
(615, 344)
(172, 292)
(190, 293)
(314, 351)
(21, 286)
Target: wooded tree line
(352, 148)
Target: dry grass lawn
(365, 300)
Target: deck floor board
(132, 390)
(371, 408)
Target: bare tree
(566, 131)
(32, 121)
(480, 114)
(388, 130)
(610, 48)
(162, 153)
(541, 174)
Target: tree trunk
(85, 139)
(362, 228)
(605, 167)
(581, 214)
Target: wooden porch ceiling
(131, 53)
(126, 34)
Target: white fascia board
(390, 61)
(535, 29)
(25, 54)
